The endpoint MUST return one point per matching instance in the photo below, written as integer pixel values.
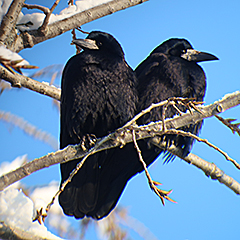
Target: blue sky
(206, 209)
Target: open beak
(193, 55)
(86, 43)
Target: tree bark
(123, 136)
(30, 38)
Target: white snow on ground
(16, 211)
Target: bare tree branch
(228, 122)
(47, 18)
(160, 193)
(19, 81)
(29, 128)
(29, 38)
(123, 136)
(7, 28)
(210, 169)
(35, 6)
(188, 134)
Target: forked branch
(123, 136)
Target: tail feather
(97, 187)
(81, 194)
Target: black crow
(98, 96)
(171, 70)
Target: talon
(83, 144)
(157, 183)
(91, 139)
(163, 194)
(40, 216)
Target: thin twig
(170, 101)
(228, 122)
(210, 169)
(69, 179)
(47, 17)
(76, 169)
(164, 108)
(153, 105)
(82, 31)
(29, 129)
(161, 193)
(78, 48)
(35, 6)
(188, 134)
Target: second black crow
(171, 70)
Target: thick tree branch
(19, 81)
(123, 136)
(30, 38)
(8, 24)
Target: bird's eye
(99, 44)
(184, 51)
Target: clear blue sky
(206, 209)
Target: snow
(16, 211)
(37, 18)
(8, 55)
(41, 196)
(6, 167)
(4, 4)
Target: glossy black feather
(98, 96)
(164, 74)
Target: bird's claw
(88, 141)
(162, 193)
(40, 216)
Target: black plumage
(98, 96)
(171, 70)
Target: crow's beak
(85, 43)
(193, 55)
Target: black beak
(193, 55)
(86, 43)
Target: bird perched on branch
(98, 96)
(171, 70)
